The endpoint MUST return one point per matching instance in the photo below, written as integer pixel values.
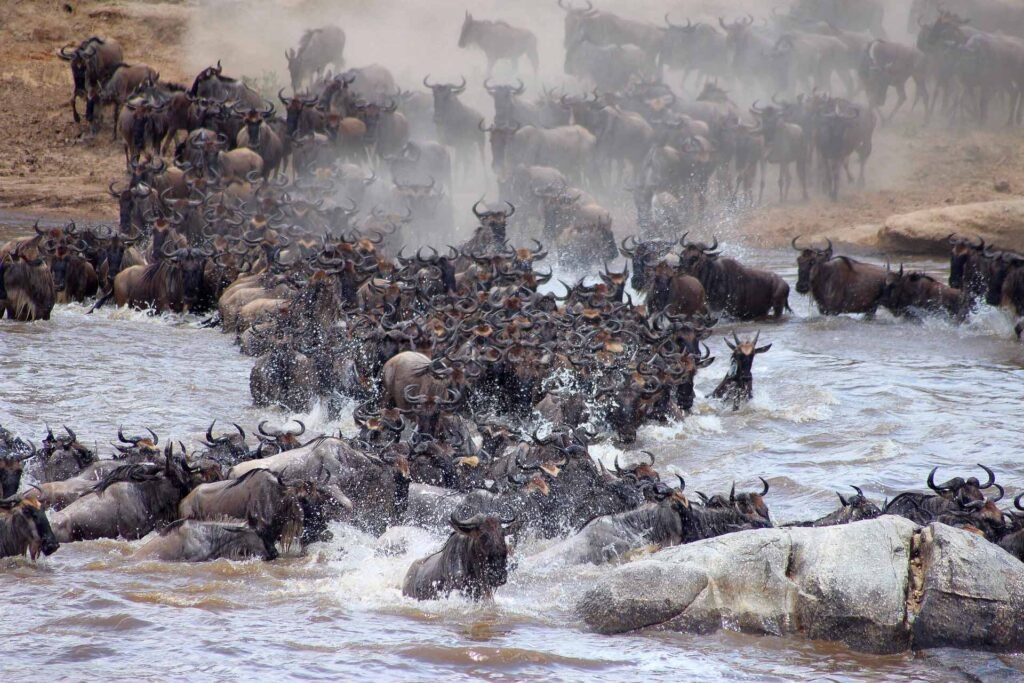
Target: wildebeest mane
(136, 473)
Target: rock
(972, 666)
(1000, 223)
(970, 593)
(846, 583)
(879, 586)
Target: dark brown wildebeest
(675, 293)
(12, 465)
(74, 278)
(1006, 281)
(914, 293)
(92, 63)
(189, 540)
(176, 283)
(474, 561)
(129, 503)
(26, 284)
(318, 48)
(24, 528)
(742, 292)
(738, 384)
(950, 496)
(258, 135)
(968, 266)
(499, 40)
(116, 91)
(212, 84)
(840, 284)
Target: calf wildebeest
(737, 290)
(24, 528)
(92, 63)
(916, 293)
(499, 40)
(457, 124)
(738, 384)
(840, 284)
(189, 540)
(129, 503)
(474, 561)
(318, 48)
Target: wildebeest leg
(74, 108)
(764, 178)
(117, 115)
(801, 174)
(783, 182)
(901, 94)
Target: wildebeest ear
(762, 349)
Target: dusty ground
(49, 167)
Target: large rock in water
(1000, 224)
(847, 583)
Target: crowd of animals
(230, 209)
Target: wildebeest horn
(991, 477)
(71, 434)
(931, 480)
(475, 212)
(262, 431)
(998, 498)
(794, 243)
(649, 455)
(713, 246)
(511, 210)
(857, 489)
(682, 482)
(121, 436)
(467, 525)
(425, 81)
(765, 482)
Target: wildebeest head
(487, 560)
(295, 106)
(697, 257)
(226, 449)
(963, 491)
(643, 257)
(62, 457)
(25, 527)
(743, 353)
(500, 137)
(857, 507)
(576, 19)
(444, 95)
(807, 262)
(11, 468)
(630, 403)
(139, 449)
(1000, 266)
(966, 258)
(278, 440)
(494, 221)
(751, 505)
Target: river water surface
(838, 401)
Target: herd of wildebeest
(231, 210)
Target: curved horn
(765, 482)
(991, 477)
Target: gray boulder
(856, 584)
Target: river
(838, 401)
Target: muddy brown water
(838, 401)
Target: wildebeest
(853, 15)
(92, 63)
(275, 509)
(842, 130)
(607, 29)
(129, 503)
(457, 124)
(27, 291)
(318, 48)
(839, 284)
(737, 290)
(24, 528)
(566, 148)
(116, 91)
(854, 509)
(473, 561)
(916, 293)
(1006, 281)
(968, 266)
(60, 457)
(950, 496)
(609, 67)
(189, 540)
(259, 136)
(74, 278)
(887, 65)
(738, 384)
(699, 47)
(785, 144)
(213, 84)
(499, 40)
(175, 283)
